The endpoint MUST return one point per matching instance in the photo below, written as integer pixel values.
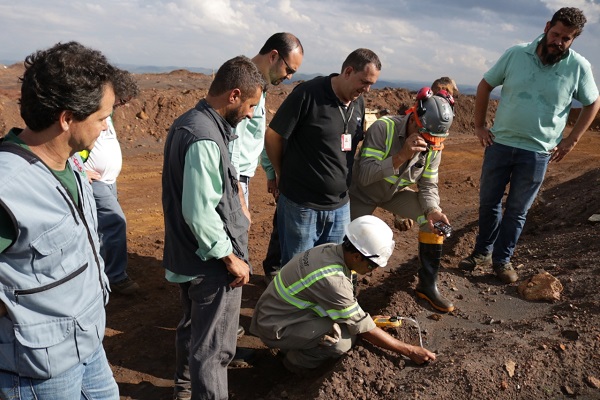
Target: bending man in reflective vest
(309, 310)
(398, 152)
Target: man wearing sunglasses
(277, 60)
(309, 310)
(245, 151)
(400, 151)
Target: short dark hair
(360, 58)
(238, 73)
(283, 42)
(67, 76)
(571, 17)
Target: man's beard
(548, 58)
(234, 117)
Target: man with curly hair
(539, 81)
(52, 282)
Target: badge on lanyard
(346, 140)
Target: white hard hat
(372, 237)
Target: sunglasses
(288, 69)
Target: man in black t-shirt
(322, 123)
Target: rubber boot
(430, 255)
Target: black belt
(245, 179)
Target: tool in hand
(443, 227)
(386, 321)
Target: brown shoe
(126, 287)
(506, 273)
(476, 260)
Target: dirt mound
(494, 345)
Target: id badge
(346, 142)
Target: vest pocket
(48, 246)
(46, 349)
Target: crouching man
(309, 310)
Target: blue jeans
(302, 228)
(525, 171)
(206, 336)
(245, 184)
(112, 229)
(90, 380)
(272, 260)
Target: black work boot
(430, 256)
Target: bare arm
(274, 148)
(382, 339)
(482, 100)
(586, 117)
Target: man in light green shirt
(539, 82)
(277, 60)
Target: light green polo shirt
(244, 151)
(536, 98)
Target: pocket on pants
(204, 290)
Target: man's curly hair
(68, 77)
(571, 17)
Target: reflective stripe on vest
(288, 293)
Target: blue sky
(417, 40)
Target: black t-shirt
(315, 172)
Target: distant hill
(410, 85)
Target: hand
(421, 355)
(272, 188)
(414, 143)
(92, 175)
(486, 138)
(435, 216)
(560, 151)
(238, 268)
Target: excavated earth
(496, 344)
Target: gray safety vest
(52, 279)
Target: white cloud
(417, 40)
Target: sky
(416, 40)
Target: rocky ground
(495, 344)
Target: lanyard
(346, 120)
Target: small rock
(562, 347)
(142, 115)
(594, 218)
(542, 286)
(568, 390)
(504, 385)
(510, 367)
(593, 381)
